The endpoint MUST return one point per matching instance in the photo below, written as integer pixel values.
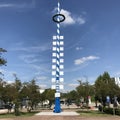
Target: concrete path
(70, 113)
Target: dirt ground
(64, 118)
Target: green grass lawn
(91, 113)
(22, 114)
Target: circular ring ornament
(61, 16)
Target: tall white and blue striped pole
(58, 60)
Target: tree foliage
(2, 60)
(106, 86)
(85, 89)
(73, 95)
(31, 91)
(48, 94)
(17, 91)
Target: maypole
(58, 59)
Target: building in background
(117, 81)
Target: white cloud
(80, 20)
(2, 71)
(85, 59)
(29, 58)
(74, 69)
(6, 5)
(40, 69)
(78, 48)
(68, 17)
(71, 19)
(43, 86)
(73, 85)
(10, 81)
(31, 4)
(41, 78)
(32, 48)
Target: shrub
(115, 111)
(108, 110)
(100, 108)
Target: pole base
(57, 108)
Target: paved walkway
(61, 114)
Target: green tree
(24, 93)
(72, 96)
(48, 94)
(31, 90)
(2, 90)
(85, 89)
(2, 60)
(34, 93)
(10, 93)
(17, 85)
(105, 86)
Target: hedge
(115, 111)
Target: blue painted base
(57, 108)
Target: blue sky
(91, 34)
